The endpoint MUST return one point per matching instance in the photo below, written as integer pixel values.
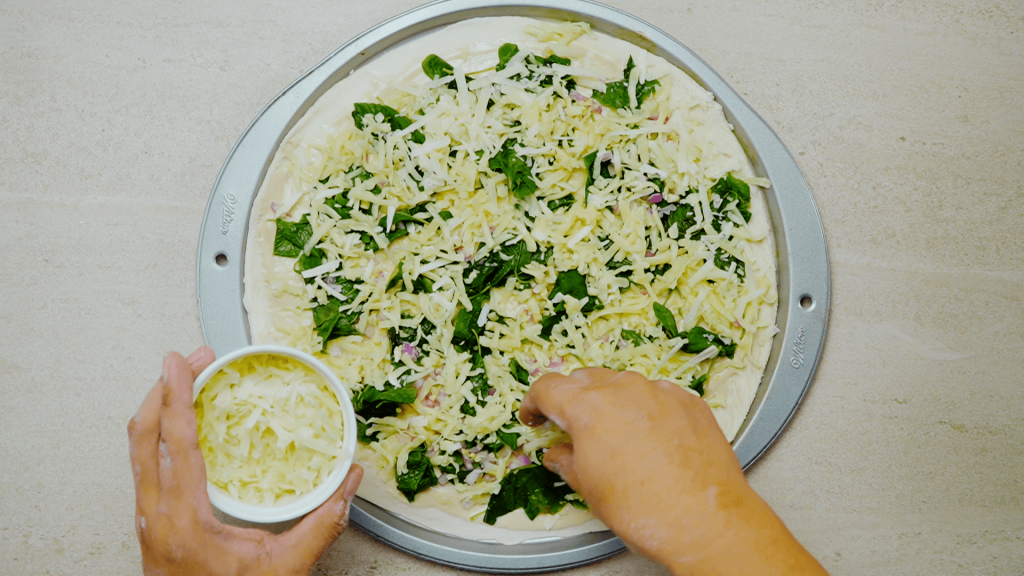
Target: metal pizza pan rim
(803, 266)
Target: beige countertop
(907, 118)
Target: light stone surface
(906, 118)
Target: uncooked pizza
(491, 202)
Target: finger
(561, 460)
(308, 539)
(143, 437)
(200, 359)
(182, 470)
(552, 397)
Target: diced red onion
(651, 253)
(274, 206)
(491, 391)
(655, 117)
(577, 96)
(604, 156)
(411, 351)
(655, 198)
(441, 395)
(443, 479)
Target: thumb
(561, 460)
(308, 539)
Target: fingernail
(167, 368)
(195, 356)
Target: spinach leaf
(723, 260)
(416, 336)
(422, 285)
(419, 474)
(435, 67)
(339, 204)
(683, 217)
(372, 403)
(734, 189)
(481, 384)
(563, 202)
(504, 438)
(291, 237)
(399, 221)
(605, 172)
(330, 321)
(699, 339)
(457, 468)
(304, 262)
(397, 121)
(505, 53)
(533, 65)
(519, 373)
(466, 333)
(668, 321)
(515, 168)
(636, 338)
(616, 94)
(396, 280)
(531, 488)
(569, 283)
(698, 384)
(660, 269)
(499, 265)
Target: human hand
(652, 463)
(173, 517)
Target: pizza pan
(803, 268)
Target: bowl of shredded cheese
(277, 431)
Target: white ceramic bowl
(287, 509)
